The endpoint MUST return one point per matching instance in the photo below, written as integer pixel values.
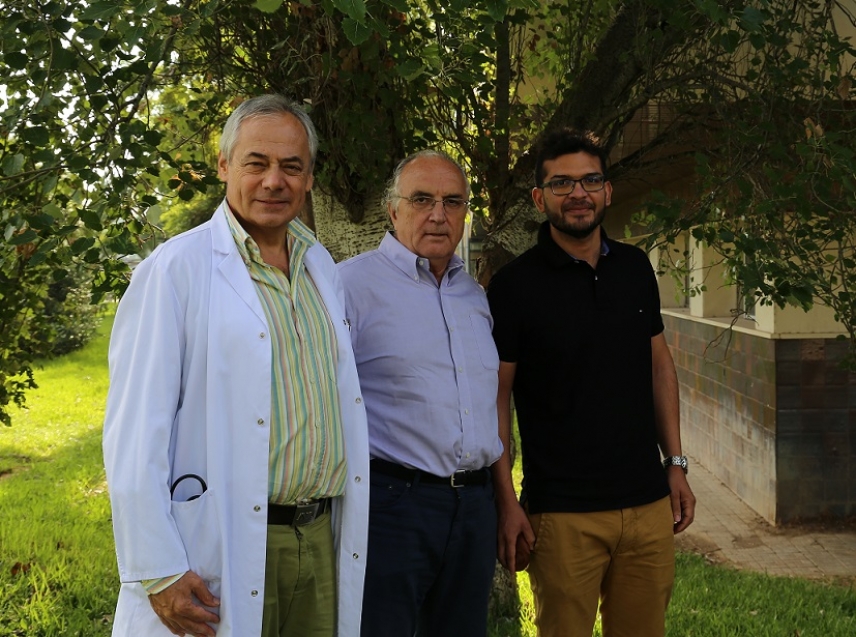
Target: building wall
(816, 429)
(774, 419)
(728, 415)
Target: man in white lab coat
(235, 434)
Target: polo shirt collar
(555, 255)
(412, 264)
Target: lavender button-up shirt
(426, 360)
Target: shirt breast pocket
(484, 341)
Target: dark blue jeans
(431, 559)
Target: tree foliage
(109, 110)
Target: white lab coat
(190, 392)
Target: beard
(576, 229)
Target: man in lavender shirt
(421, 331)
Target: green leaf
(268, 6)
(36, 135)
(497, 9)
(16, 60)
(81, 245)
(355, 10)
(400, 5)
(53, 210)
(65, 60)
(410, 69)
(90, 33)
(100, 10)
(90, 219)
(758, 41)
(730, 41)
(752, 19)
(13, 164)
(27, 236)
(355, 32)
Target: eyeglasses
(423, 203)
(565, 185)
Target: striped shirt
(307, 447)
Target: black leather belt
(456, 480)
(297, 514)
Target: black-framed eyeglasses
(565, 185)
(423, 203)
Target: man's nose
(438, 212)
(274, 179)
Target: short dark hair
(566, 141)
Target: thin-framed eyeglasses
(423, 203)
(565, 185)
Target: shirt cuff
(159, 584)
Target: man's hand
(177, 609)
(683, 500)
(515, 537)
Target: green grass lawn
(57, 565)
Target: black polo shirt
(581, 338)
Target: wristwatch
(675, 461)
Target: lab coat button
(261, 421)
(257, 508)
(357, 479)
(356, 556)
(359, 400)
(261, 335)
(254, 593)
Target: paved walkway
(727, 530)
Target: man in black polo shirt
(580, 338)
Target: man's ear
(222, 167)
(607, 189)
(392, 212)
(538, 198)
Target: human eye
(593, 180)
(293, 170)
(454, 204)
(421, 201)
(255, 165)
(562, 184)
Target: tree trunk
(515, 233)
(343, 238)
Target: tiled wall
(816, 429)
(775, 420)
(728, 414)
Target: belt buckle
(306, 513)
(452, 482)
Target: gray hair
(266, 105)
(391, 191)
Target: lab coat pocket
(199, 527)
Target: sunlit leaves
(354, 9)
(268, 6)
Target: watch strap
(675, 461)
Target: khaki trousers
(300, 581)
(625, 559)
